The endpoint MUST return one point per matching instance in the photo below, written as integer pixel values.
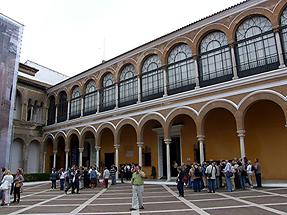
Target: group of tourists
(231, 174)
(10, 185)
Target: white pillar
(81, 156)
(98, 148)
(117, 159)
(67, 160)
(139, 89)
(279, 49)
(167, 142)
(98, 101)
(165, 81)
(140, 145)
(201, 148)
(117, 95)
(54, 160)
(44, 161)
(241, 135)
(68, 111)
(233, 60)
(82, 106)
(196, 72)
(31, 114)
(56, 113)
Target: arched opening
(60, 158)
(16, 155)
(107, 153)
(48, 150)
(33, 157)
(221, 141)
(89, 149)
(266, 138)
(18, 106)
(51, 110)
(74, 150)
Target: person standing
(113, 174)
(18, 183)
(211, 176)
(62, 178)
(76, 181)
(249, 174)
(228, 174)
(137, 182)
(106, 176)
(180, 181)
(54, 175)
(69, 178)
(122, 172)
(93, 177)
(257, 167)
(6, 184)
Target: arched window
(152, 78)
(75, 106)
(108, 93)
(90, 99)
(283, 25)
(51, 110)
(62, 107)
(180, 69)
(256, 47)
(128, 86)
(215, 59)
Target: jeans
(196, 185)
(217, 182)
(228, 184)
(62, 183)
(211, 185)
(242, 180)
(53, 184)
(180, 188)
(258, 180)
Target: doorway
(109, 159)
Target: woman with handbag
(18, 182)
(6, 186)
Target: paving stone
(6, 210)
(50, 210)
(279, 207)
(206, 196)
(239, 211)
(267, 199)
(186, 212)
(245, 193)
(216, 203)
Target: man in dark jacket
(54, 176)
(180, 182)
(76, 181)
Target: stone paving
(158, 200)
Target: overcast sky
(70, 36)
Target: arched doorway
(107, 153)
(16, 155)
(74, 150)
(89, 158)
(48, 150)
(60, 159)
(33, 157)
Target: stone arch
(251, 98)
(72, 87)
(90, 128)
(103, 73)
(151, 116)
(219, 103)
(34, 156)
(121, 66)
(173, 43)
(278, 10)
(145, 55)
(77, 133)
(87, 80)
(17, 154)
(101, 127)
(126, 121)
(258, 11)
(58, 94)
(55, 142)
(47, 136)
(209, 29)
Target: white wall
(33, 158)
(16, 159)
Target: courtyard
(158, 199)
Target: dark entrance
(175, 156)
(197, 152)
(109, 160)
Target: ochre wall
(107, 144)
(128, 152)
(61, 157)
(266, 139)
(221, 140)
(48, 163)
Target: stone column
(200, 139)
(45, 115)
(196, 70)
(98, 148)
(167, 143)
(98, 101)
(139, 88)
(241, 135)
(233, 60)
(44, 161)
(31, 114)
(117, 95)
(82, 106)
(56, 113)
(140, 145)
(25, 156)
(117, 159)
(68, 109)
(81, 156)
(165, 81)
(54, 159)
(67, 159)
(279, 49)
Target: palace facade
(215, 89)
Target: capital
(140, 144)
(67, 150)
(241, 133)
(167, 141)
(117, 146)
(200, 137)
(98, 148)
(81, 150)
(55, 151)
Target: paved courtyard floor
(158, 200)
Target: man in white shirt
(211, 176)
(228, 174)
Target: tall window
(215, 59)
(90, 99)
(283, 25)
(152, 78)
(108, 93)
(256, 47)
(180, 69)
(62, 107)
(75, 106)
(51, 110)
(128, 86)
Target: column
(45, 115)
(196, 72)
(54, 160)
(56, 113)
(117, 159)
(241, 135)
(81, 156)
(24, 111)
(44, 161)
(82, 106)
(98, 101)
(279, 49)
(200, 139)
(68, 110)
(31, 114)
(139, 88)
(233, 59)
(67, 159)
(165, 81)
(167, 142)
(117, 95)
(98, 148)
(140, 145)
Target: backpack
(197, 173)
(93, 174)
